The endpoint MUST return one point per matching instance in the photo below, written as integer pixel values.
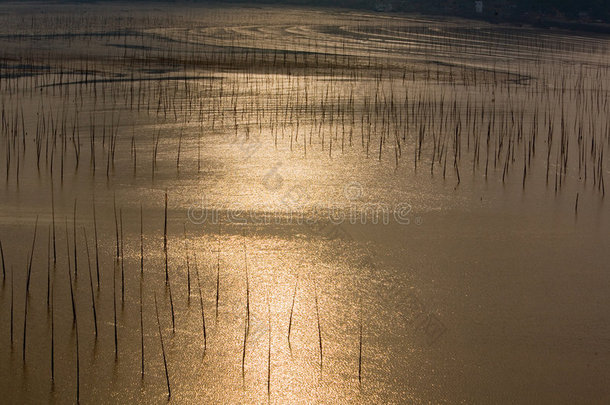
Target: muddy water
(375, 208)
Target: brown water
(420, 201)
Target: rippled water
(376, 208)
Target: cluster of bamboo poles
(496, 132)
(84, 257)
(443, 113)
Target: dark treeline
(500, 10)
(536, 11)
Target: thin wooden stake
(169, 391)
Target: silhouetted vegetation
(524, 10)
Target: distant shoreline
(529, 20)
(532, 20)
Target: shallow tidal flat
(238, 204)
